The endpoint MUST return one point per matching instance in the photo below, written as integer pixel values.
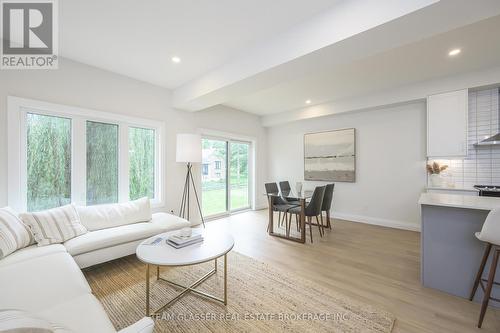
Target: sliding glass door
(214, 177)
(238, 175)
(225, 176)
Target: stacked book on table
(178, 241)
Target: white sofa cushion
(114, 215)
(22, 321)
(105, 238)
(55, 225)
(100, 256)
(41, 282)
(145, 325)
(47, 282)
(14, 234)
(80, 314)
(31, 252)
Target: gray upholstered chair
(327, 204)
(279, 204)
(285, 186)
(313, 209)
(286, 189)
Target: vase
(436, 180)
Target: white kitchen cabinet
(447, 124)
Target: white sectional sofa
(46, 281)
(103, 245)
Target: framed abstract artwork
(330, 155)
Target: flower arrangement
(435, 168)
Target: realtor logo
(29, 34)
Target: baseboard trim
(260, 207)
(377, 221)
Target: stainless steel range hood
(494, 139)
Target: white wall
(390, 162)
(80, 85)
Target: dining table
(301, 197)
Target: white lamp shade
(188, 148)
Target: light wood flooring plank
(376, 265)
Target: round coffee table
(214, 246)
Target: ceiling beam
(263, 66)
(401, 95)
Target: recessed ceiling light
(308, 101)
(454, 52)
(176, 60)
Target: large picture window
(102, 163)
(142, 162)
(48, 155)
(61, 154)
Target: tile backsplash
(482, 164)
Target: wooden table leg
(271, 227)
(287, 232)
(302, 220)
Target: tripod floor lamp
(189, 152)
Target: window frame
(157, 165)
(25, 145)
(117, 156)
(17, 108)
(252, 160)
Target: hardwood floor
(377, 265)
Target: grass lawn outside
(214, 200)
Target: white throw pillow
(14, 235)
(55, 225)
(114, 215)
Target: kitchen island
(450, 253)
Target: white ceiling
(282, 57)
(268, 57)
(420, 61)
(138, 38)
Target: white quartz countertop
(459, 201)
(460, 189)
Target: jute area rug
(260, 299)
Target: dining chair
(313, 209)
(490, 235)
(278, 204)
(285, 188)
(327, 204)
